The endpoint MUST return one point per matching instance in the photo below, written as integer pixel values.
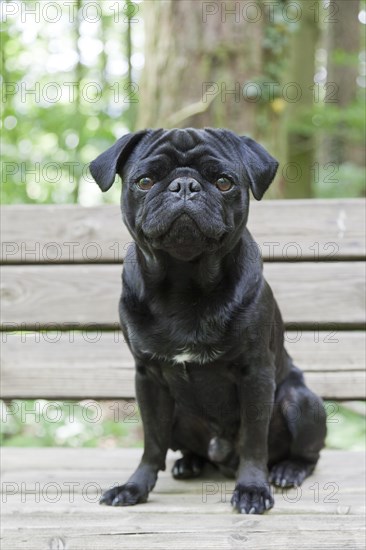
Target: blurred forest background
(76, 75)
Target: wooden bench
(60, 289)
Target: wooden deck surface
(50, 499)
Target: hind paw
(290, 473)
(187, 467)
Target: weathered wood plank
(346, 533)
(320, 537)
(51, 462)
(98, 365)
(338, 482)
(81, 475)
(70, 233)
(49, 498)
(79, 295)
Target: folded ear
(260, 166)
(105, 167)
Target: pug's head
(186, 192)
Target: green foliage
(340, 57)
(40, 423)
(329, 119)
(275, 43)
(346, 180)
(346, 428)
(49, 140)
(43, 423)
(67, 97)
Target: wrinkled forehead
(187, 147)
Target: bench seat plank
(326, 512)
(99, 365)
(29, 230)
(308, 293)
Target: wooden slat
(76, 365)
(308, 293)
(76, 295)
(342, 533)
(326, 512)
(50, 233)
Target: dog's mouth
(184, 239)
(184, 230)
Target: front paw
(125, 495)
(252, 498)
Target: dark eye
(224, 184)
(145, 183)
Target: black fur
(213, 378)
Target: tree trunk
(343, 49)
(196, 65)
(219, 64)
(301, 145)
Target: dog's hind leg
(300, 431)
(189, 466)
(191, 439)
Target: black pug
(213, 378)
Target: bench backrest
(61, 281)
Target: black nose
(184, 187)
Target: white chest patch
(183, 357)
(203, 357)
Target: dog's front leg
(156, 408)
(256, 393)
